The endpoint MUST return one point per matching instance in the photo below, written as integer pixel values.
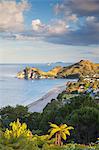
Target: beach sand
(39, 105)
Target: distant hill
(77, 70)
(60, 64)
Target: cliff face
(81, 69)
(35, 73)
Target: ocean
(15, 91)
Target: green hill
(80, 69)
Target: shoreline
(39, 105)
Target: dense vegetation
(81, 112)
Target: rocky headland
(84, 68)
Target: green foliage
(82, 112)
(41, 140)
(86, 121)
(17, 139)
(69, 147)
(32, 120)
(89, 110)
(21, 143)
(9, 114)
(48, 115)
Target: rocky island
(82, 69)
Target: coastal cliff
(84, 68)
(35, 73)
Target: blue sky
(49, 31)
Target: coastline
(40, 104)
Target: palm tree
(60, 132)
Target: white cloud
(11, 15)
(58, 27)
(91, 19)
(55, 27)
(27, 37)
(37, 25)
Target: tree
(33, 121)
(60, 132)
(86, 123)
(9, 114)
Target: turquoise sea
(14, 91)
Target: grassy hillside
(80, 69)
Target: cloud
(86, 34)
(11, 15)
(79, 24)
(58, 27)
(90, 19)
(37, 25)
(59, 31)
(75, 38)
(73, 18)
(80, 7)
(82, 18)
(92, 23)
(58, 8)
(76, 22)
(39, 31)
(54, 28)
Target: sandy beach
(39, 105)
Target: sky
(40, 31)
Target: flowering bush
(17, 130)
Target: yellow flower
(17, 130)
